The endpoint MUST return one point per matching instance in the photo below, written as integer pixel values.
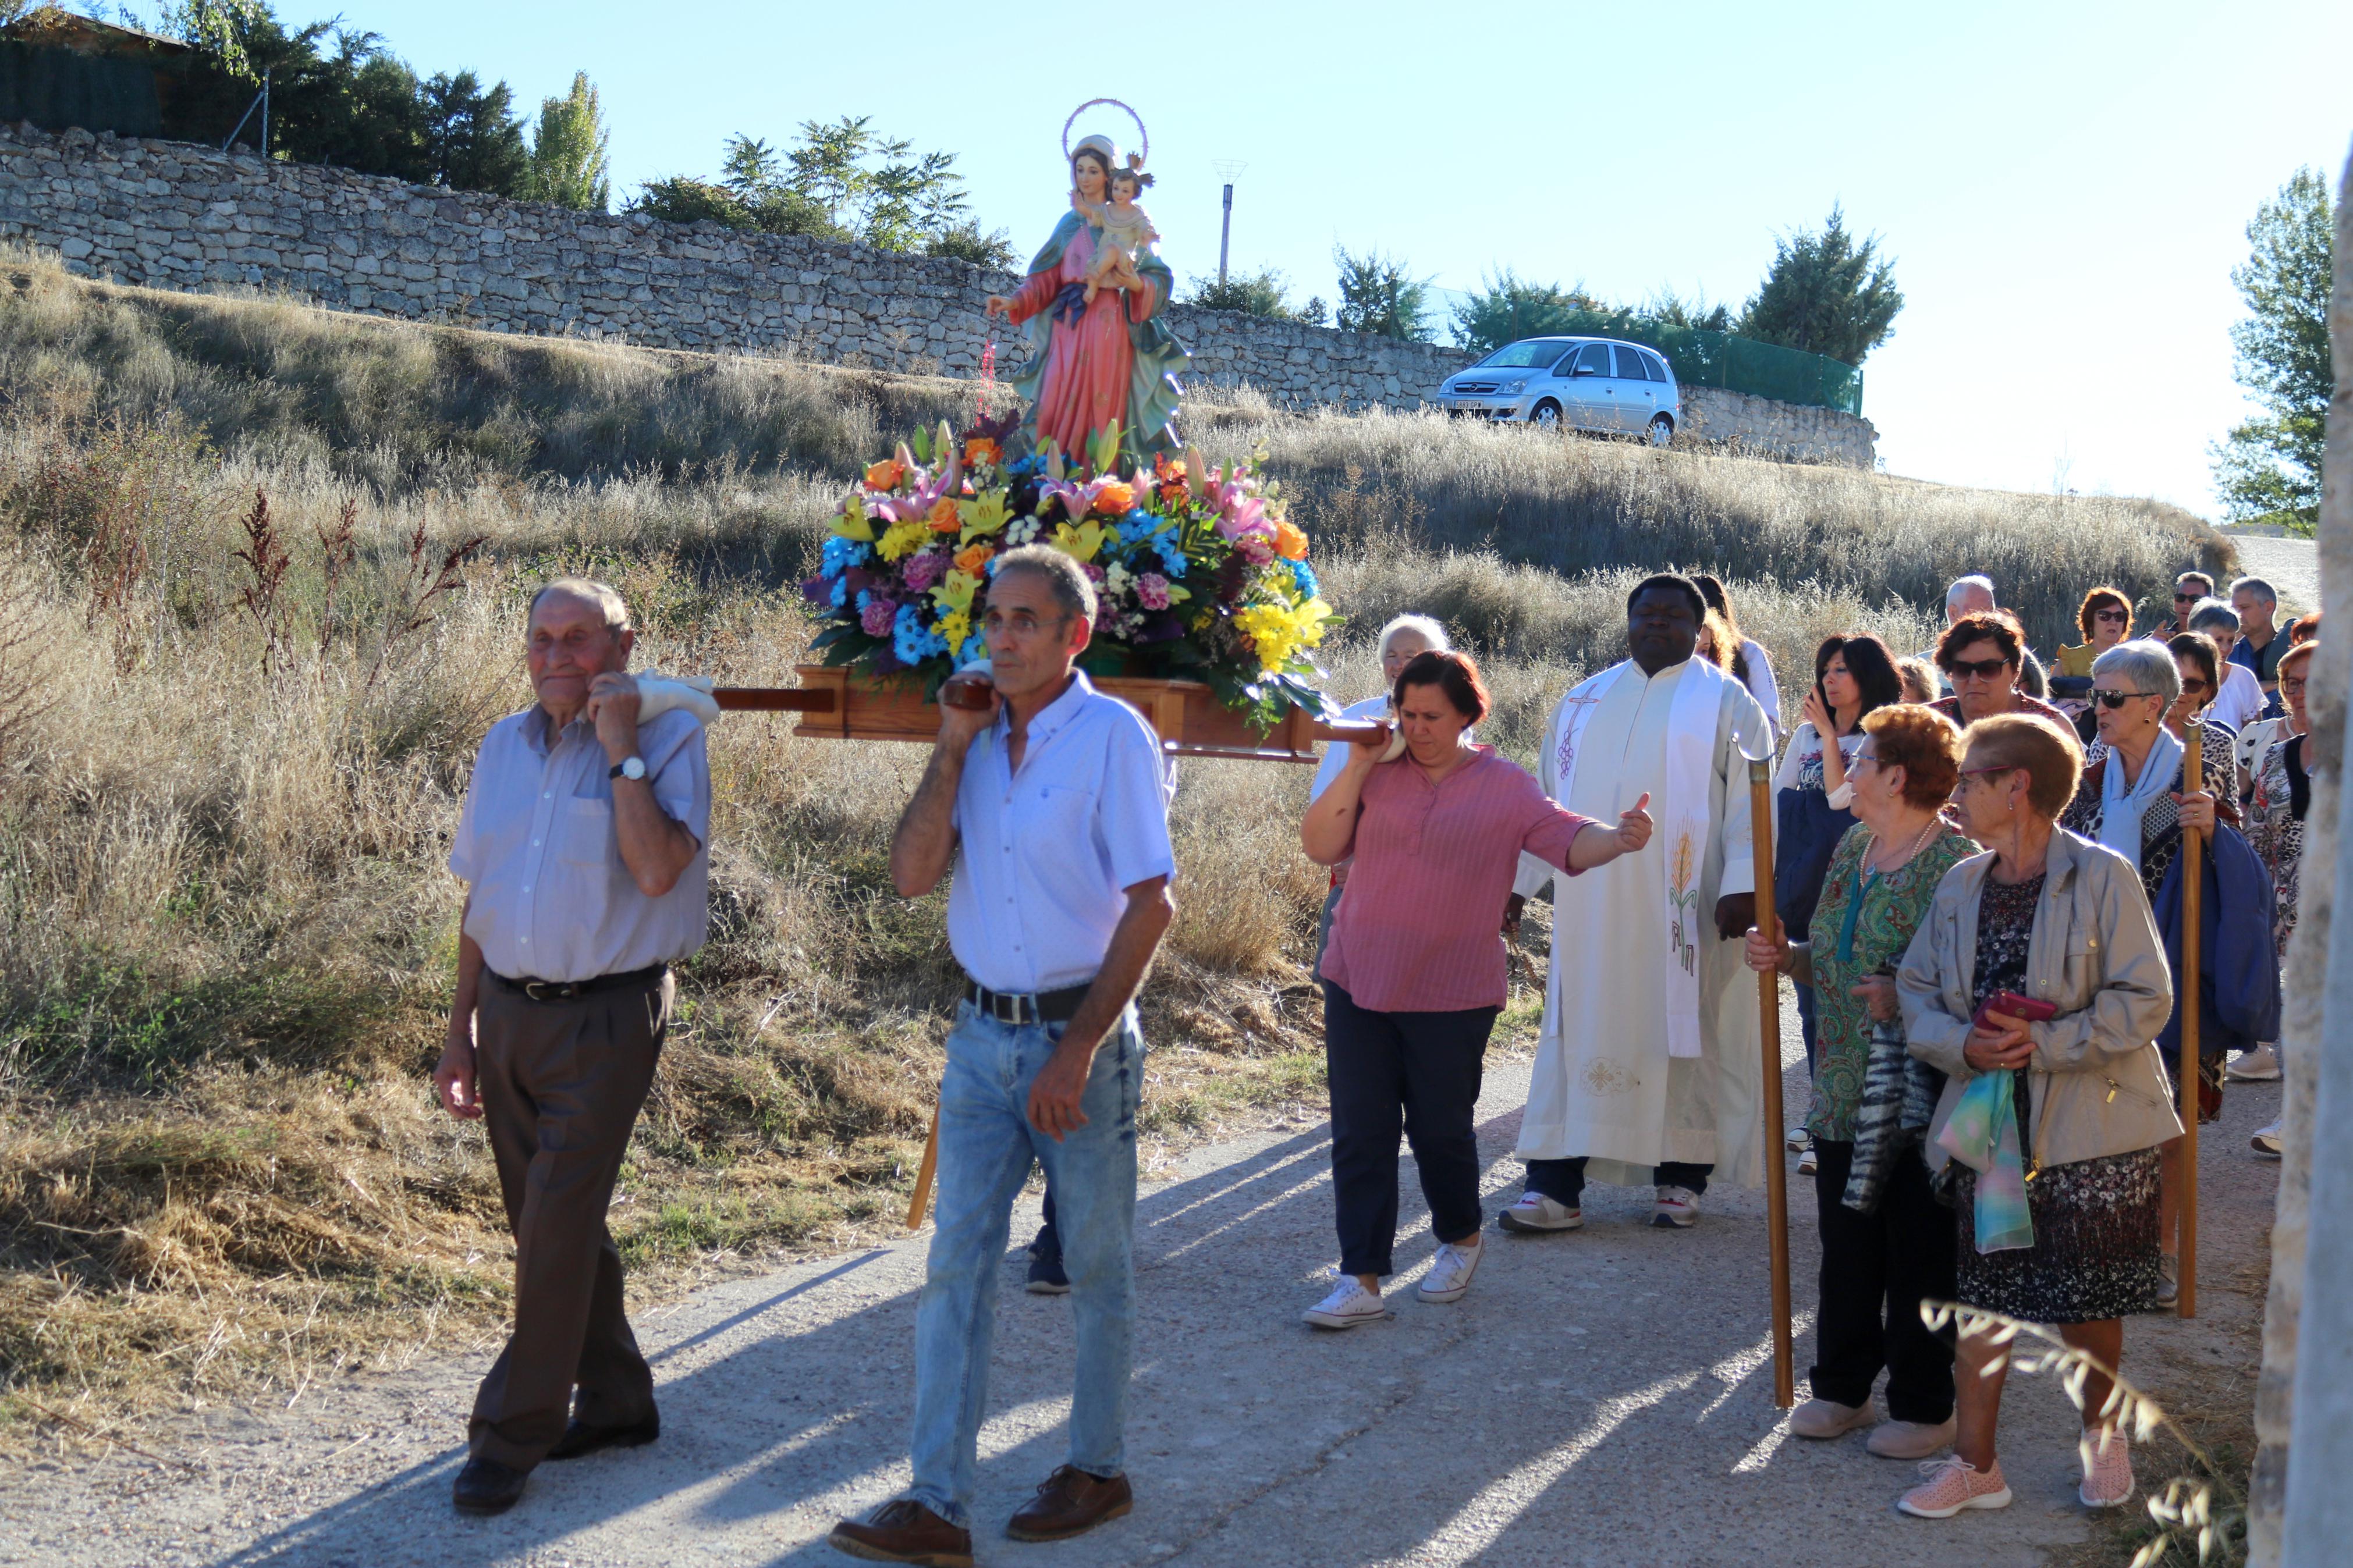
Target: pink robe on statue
(1089, 365)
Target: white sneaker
(1348, 1304)
(1809, 1161)
(2258, 1066)
(1677, 1208)
(1449, 1276)
(1799, 1140)
(2266, 1140)
(1535, 1213)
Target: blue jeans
(987, 1145)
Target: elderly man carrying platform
(1051, 804)
(583, 845)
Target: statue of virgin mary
(1100, 362)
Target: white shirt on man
(1045, 856)
(550, 897)
(2240, 700)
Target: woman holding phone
(2061, 983)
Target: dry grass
(225, 930)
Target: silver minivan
(1586, 383)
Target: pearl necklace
(1920, 839)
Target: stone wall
(176, 215)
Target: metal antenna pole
(1227, 169)
(265, 117)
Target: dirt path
(1603, 1397)
(2290, 565)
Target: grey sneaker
(1678, 1208)
(1536, 1214)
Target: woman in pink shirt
(1415, 972)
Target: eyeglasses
(1997, 768)
(2112, 701)
(1977, 669)
(1859, 760)
(2187, 598)
(2288, 686)
(2110, 615)
(1020, 623)
(2192, 688)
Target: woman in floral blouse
(1886, 1241)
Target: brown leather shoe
(905, 1532)
(1070, 1502)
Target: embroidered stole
(1682, 817)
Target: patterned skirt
(2096, 1244)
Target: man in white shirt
(581, 845)
(1053, 807)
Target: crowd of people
(1977, 892)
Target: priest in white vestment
(1648, 1073)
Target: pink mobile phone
(2010, 1004)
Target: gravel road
(1603, 1397)
(2290, 565)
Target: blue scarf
(2122, 805)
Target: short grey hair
(1963, 586)
(2258, 587)
(2145, 665)
(588, 591)
(2212, 614)
(1429, 630)
(1073, 588)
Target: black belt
(572, 990)
(1042, 1008)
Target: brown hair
(1457, 674)
(1919, 679)
(1923, 743)
(2096, 600)
(2205, 653)
(2302, 629)
(1715, 641)
(2052, 759)
(1073, 589)
(1998, 627)
(2298, 653)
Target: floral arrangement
(1199, 574)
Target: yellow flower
(982, 517)
(1277, 632)
(954, 593)
(903, 538)
(851, 521)
(953, 628)
(1080, 542)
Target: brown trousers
(562, 1083)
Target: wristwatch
(628, 768)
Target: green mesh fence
(1702, 358)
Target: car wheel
(1546, 415)
(1662, 431)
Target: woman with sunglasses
(1981, 654)
(2283, 794)
(2199, 660)
(2104, 618)
(2048, 917)
(2133, 797)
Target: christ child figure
(1126, 228)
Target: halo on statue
(1142, 136)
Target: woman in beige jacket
(2058, 920)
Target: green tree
(2268, 469)
(1826, 294)
(1379, 297)
(1261, 293)
(1315, 313)
(1507, 308)
(472, 140)
(1674, 310)
(571, 151)
(841, 180)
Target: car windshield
(1526, 355)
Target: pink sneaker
(2107, 1468)
(1952, 1484)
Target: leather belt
(572, 990)
(1040, 1007)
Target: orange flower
(980, 451)
(943, 516)
(884, 476)
(1116, 499)
(972, 559)
(1289, 543)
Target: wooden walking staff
(2193, 898)
(1769, 1013)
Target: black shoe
(1046, 1275)
(485, 1486)
(579, 1437)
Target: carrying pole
(1225, 234)
(1768, 1011)
(925, 1172)
(2193, 891)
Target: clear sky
(2063, 187)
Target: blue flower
(1138, 526)
(1172, 557)
(975, 647)
(911, 640)
(841, 554)
(865, 597)
(840, 592)
(1304, 577)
